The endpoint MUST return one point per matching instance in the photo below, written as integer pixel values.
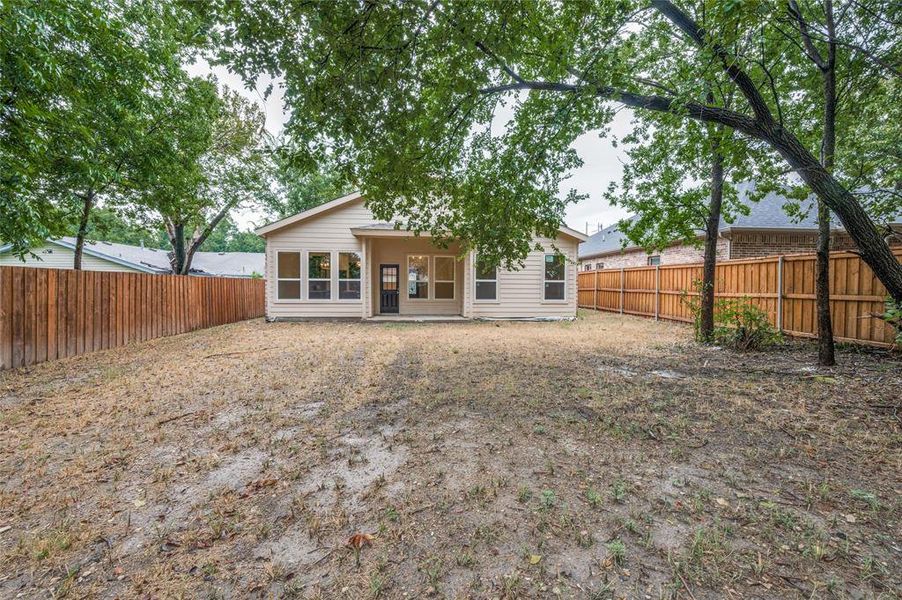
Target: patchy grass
(604, 458)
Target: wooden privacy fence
(53, 313)
(782, 286)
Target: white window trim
(497, 298)
(407, 297)
(308, 279)
(544, 281)
(437, 280)
(338, 297)
(299, 279)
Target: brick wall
(673, 255)
(752, 245)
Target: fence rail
(782, 286)
(47, 314)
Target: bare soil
(604, 458)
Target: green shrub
(893, 316)
(740, 325)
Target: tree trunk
(712, 228)
(87, 204)
(825, 350)
(826, 355)
(176, 233)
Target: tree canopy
(409, 98)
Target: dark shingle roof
(768, 213)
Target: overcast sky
(602, 160)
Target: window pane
(289, 290)
(486, 290)
(654, 260)
(349, 290)
(417, 276)
(289, 265)
(444, 268)
(319, 290)
(554, 290)
(486, 272)
(444, 290)
(554, 267)
(348, 265)
(319, 265)
(417, 289)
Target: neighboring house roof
(363, 229)
(766, 214)
(153, 260)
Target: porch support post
(467, 308)
(368, 277)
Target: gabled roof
(352, 197)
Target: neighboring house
(767, 230)
(337, 260)
(110, 256)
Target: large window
(555, 270)
(348, 276)
(486, 282)
(288, 276)
(445, 267)
(417, 276)
(319, 275)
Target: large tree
(216, 165)
(85, 85)
(405, 94)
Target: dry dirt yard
(604, 458)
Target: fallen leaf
(139, 502)
(359, 540)
(850, 518)
(721, 502)
(534, 559)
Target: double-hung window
(418, 277)
(555, 270)
(288, 275)
(319, 275)
(445, 268)
(348, 276)
(486, 282)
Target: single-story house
(338, 261)
(766, 231)
(110, 256)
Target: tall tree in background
(223, 165)
(86, 83)
(303, 186)
(405, 94)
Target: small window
(319, 276)
(445, 268)
(288, 275)
(348, 276)
(555, 269)
(486, 282)
(587, 267)
(654, 260)
(599, 266)
(417, 276)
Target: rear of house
(338, 261)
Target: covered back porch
(410, 277)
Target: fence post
(657, 291)
(780, 293)
(621, 290)
(594, 290)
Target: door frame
(397, 268)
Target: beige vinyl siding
(328, 232)
(521, 293)
(59, 257)
(394, 251)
